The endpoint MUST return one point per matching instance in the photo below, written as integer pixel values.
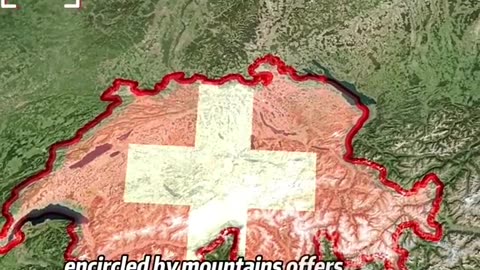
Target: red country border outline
(264, 78)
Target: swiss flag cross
(167, 171)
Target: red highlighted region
(348, 182)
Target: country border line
(114, 100)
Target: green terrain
(417, 62)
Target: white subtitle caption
(155, 262)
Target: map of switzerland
(266, 161)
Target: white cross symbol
(221, 178)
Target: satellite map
(240, 134)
